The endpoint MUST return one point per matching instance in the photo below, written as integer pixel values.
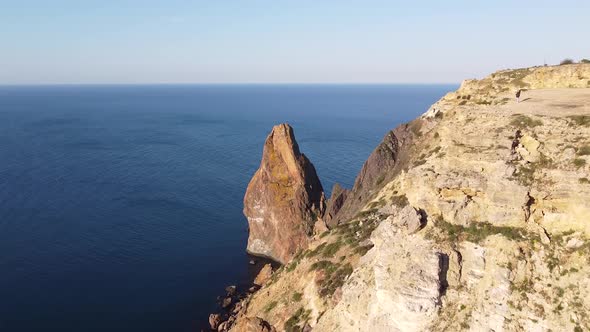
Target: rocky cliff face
(381, 166)
(474, 217)
(335, 203)
(284, 198)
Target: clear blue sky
(241, 41)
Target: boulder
(230, 290)
(574, 243)
(226, 302)
(411, 219)
(264, 275)
(529, 148)
(319, 227)
(214, 321)
(283, 200)
(223, 327)
(237, 308)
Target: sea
(121, 205)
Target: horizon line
(223, 83)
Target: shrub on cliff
(584, 150)
(579, 162)
(331, 249)
(566, 62)
(579, 120)
(523, 121)
(300, 317)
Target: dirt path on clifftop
(544, 102)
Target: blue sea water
(121, 206)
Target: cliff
(284, 199)
(474, 217)
(383, 164)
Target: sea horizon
(353, 84)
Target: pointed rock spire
(283, 200)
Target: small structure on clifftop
(284, 199)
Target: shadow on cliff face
(443, 263)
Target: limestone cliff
(381, 166)
(283, 200)
(474, 217)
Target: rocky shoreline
(235, 297)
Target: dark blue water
(121, 206)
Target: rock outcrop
(381, 166)
(335, 203)
(396, 287)
(264, 275)
(214, 321)
(283, 200)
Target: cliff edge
(474, 217)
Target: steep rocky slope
(284, 199)
(474, 217)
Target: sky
(283, 41)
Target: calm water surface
(121, 206)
